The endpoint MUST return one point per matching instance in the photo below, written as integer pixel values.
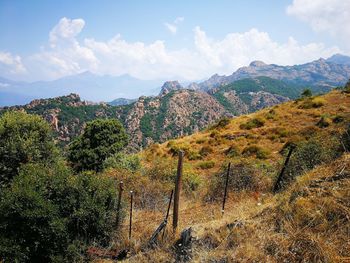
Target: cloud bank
(330, 16)
(65, 55)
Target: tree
(24, 138)
(47, 214)
(306, 93)
(100, 140)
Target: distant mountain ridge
(320, 72)
(90, 86)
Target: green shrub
(255, 150)
(191, 181)
(232, 151)
(310, 103)
(222, 123)
(174, 148)
(206, 164)
(101, 139)
(194, 155)
(205, 151)
(323, 122)
(24, 138)
(244, 176)
(270, 115)
(47, 214)
(308, 154)
(123, 161)
(253, 123)
(306, 93)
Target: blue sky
(189, 40)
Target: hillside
(174, 112)
(306, 221)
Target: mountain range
(320, 74)
(90, 86)
(180, 110)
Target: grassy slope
(309, 220)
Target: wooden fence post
(226, 185)
(130, 221)
(278, 184)
(121, 188)
(177, 190)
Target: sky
(185, 40)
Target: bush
(338, 119)
(306, 93)
(232, 151)
(194, 155)
(206, 164)
(100, 140)
(46, 214)
(255, 150)
(191, 181)
(205, 151)
(253, 123)
(323, 122)
(122, 161)
(244, 176)
(310, 103)
(222, 123)
(24, 138)
(308, 154)
(270, 115)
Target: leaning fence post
(278, 183)
(177, 190)
(226, 185)
(130, 221)
(168, 210)
(121, 188)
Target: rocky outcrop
(177, 113)
(262, 99)
(169, 86)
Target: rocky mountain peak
(169, 86)
(257, 63)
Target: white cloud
(11, 64)
(66, 29)
(65, 55)
(172, 27)
(238, 49)
(331, 16)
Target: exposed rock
(262, 99)
(169, 86)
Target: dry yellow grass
(309, 222)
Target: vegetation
(100, 140)
(24, 139)
(50, 214)
(306, 93)
(253, 123)
(47, 213)
(310, 103)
